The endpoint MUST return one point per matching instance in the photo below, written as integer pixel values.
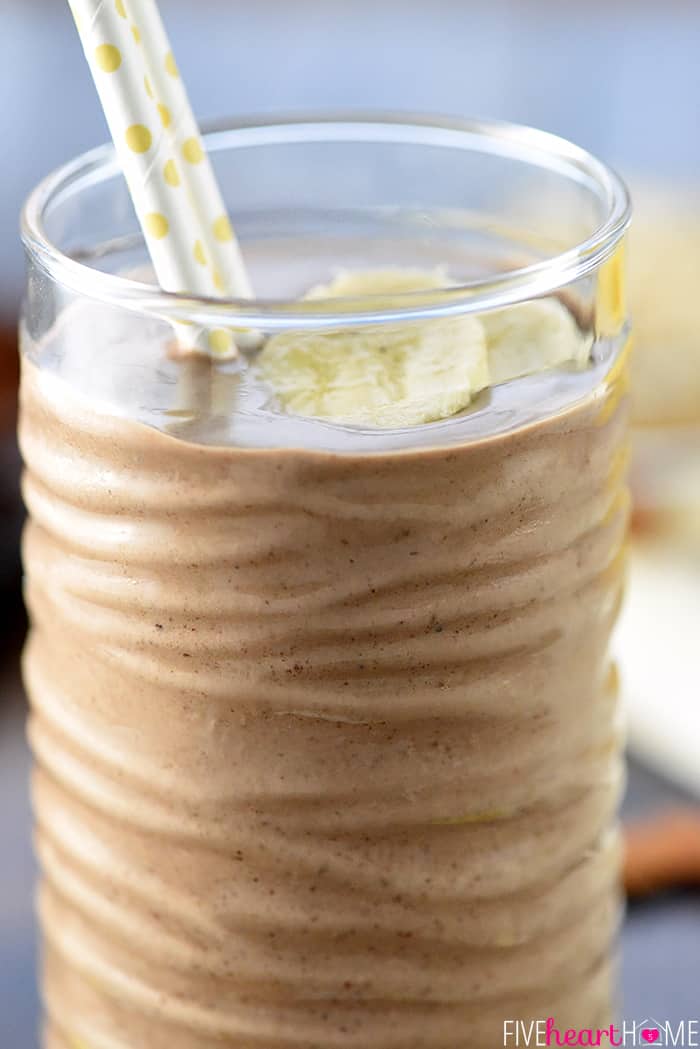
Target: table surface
(660, 941)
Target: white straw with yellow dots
(169, 175)
(176, 113)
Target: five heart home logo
(630, 1034)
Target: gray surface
(661, 941)
(18, 1001)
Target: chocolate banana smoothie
(327, 741)
(326, 732)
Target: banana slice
(413, 373)
(532, 337)
(391, 280)
(394, 376)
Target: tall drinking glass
(326, 737)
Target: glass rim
(497, 138)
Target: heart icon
(650, 1034)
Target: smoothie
(327, 737)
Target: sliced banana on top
(407, 374)
(387, 376)
(532, 337)
(392, 280)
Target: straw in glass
(171, 182)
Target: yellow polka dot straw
(176, 113)
(170, 178)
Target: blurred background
(620, 77)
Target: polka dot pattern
(192, 151)
(157, 225)
(182, 215)
(108, 58)
(222, 229)
(171, 65)
(171, 174)
(220, 341)
(138, 138)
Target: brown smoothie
(328, 744)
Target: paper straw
(176, 112)
(169, 175)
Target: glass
(325, 726)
